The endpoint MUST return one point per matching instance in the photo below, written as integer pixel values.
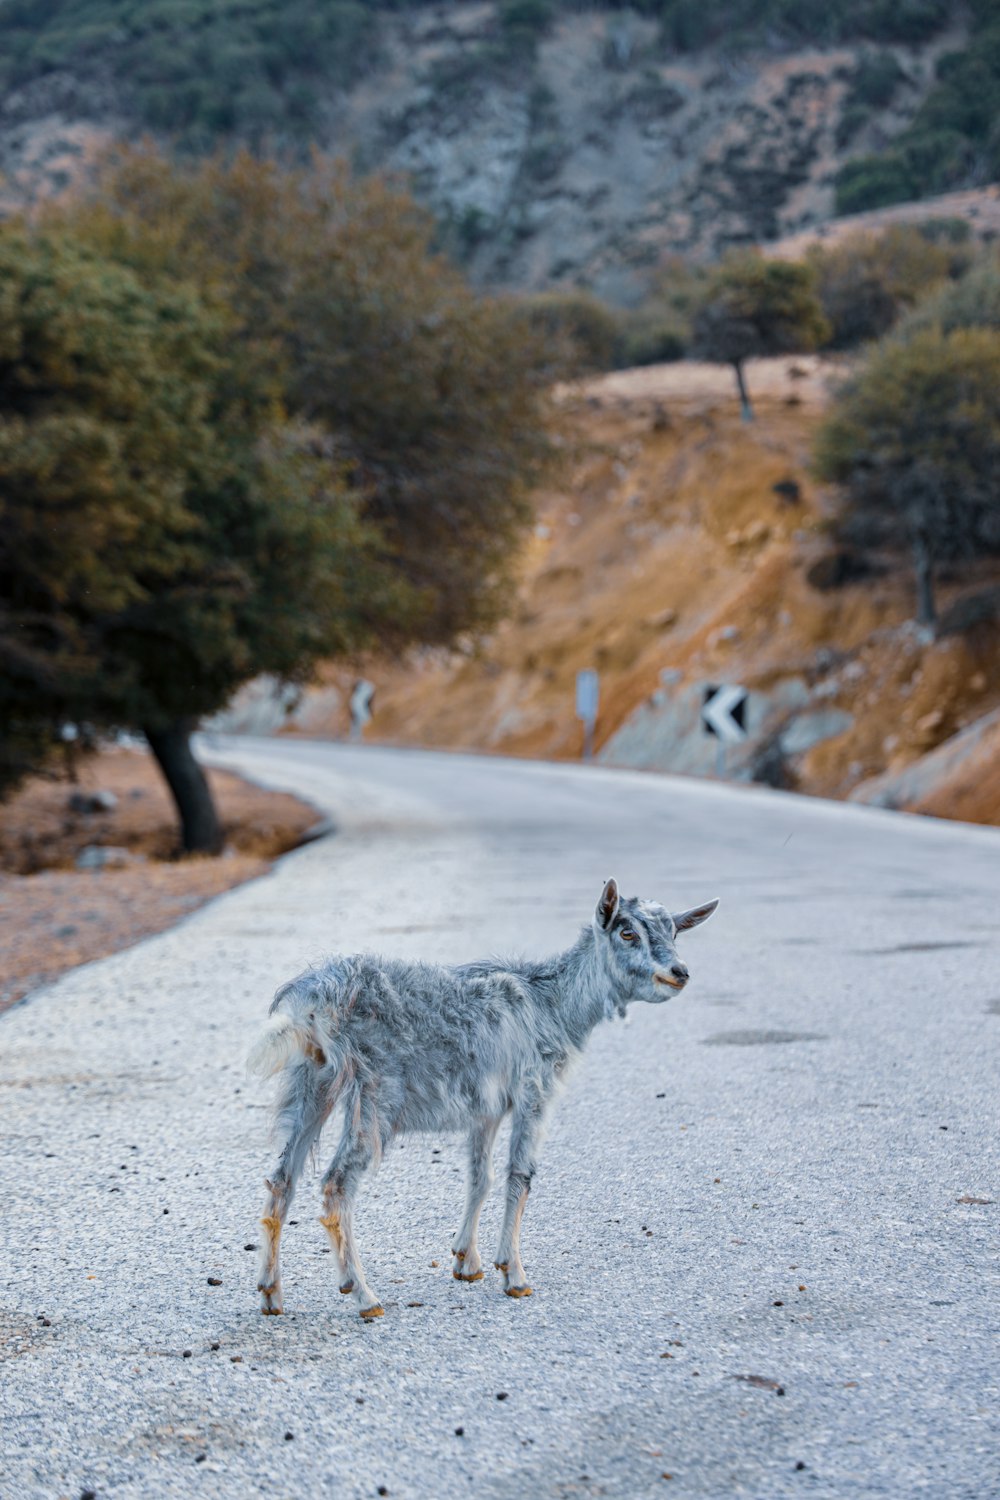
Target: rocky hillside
(685, 548)
(580, 151)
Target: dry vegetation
(669, 547)
(53, 916)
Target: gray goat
(414, 1046)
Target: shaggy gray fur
(413, 1046)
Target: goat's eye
(627, 935)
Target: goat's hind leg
(302, 1110)
(468, 1265)
(354, 1155)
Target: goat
(416, 1046)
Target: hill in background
(683, 547)
(555, 144)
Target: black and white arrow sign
(722, 711)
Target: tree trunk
(746, 410)
(926, 611)
(201, 831)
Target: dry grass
(53, 917)
(667, 546)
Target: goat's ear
(607, 907)
(684, 920)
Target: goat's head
(638, 942)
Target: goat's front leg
(525, 1137)
(468, 1265)
(354, 1155)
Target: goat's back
(437, 1043)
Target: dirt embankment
(54, 916)
(676, 551)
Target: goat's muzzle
(675, 978)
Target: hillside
(554, 144)
(681, 549)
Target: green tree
(160, 539)
(350, 464)
(867, 281)
(753, 307)
(971, 302)
(953, 139)
(915, 441)
(435, 398)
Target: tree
(915, 441)
(160, 541)
(867, 281)
(325, 443)
(971, 302)
(435, 397)
(753, 307)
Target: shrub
(972, 302)
(952, 139)
(874, 182)
(868, 280)
(914, 439)
(650, 337)
(945, 230)
(875, 80)
(690, 24)
(580, 332)
(522, 25)
(197, 70)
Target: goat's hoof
(467, 1266)
(270, 1301)
(347, 1289)
(518, 1291)
(378, 1311)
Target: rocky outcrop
(958, 779)
(605, 153)
(585, 160)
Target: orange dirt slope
(667, 547)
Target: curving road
(762, 1263)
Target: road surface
(762, 1261)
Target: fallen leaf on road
(983, 1201)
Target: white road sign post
(587, 698)
(362, 695)
(723, 712)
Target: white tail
(276, 1046)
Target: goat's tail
(293, 1031)
(282, 1038)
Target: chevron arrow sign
(722, 711)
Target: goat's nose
(679, 971)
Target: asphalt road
(775, 1176)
